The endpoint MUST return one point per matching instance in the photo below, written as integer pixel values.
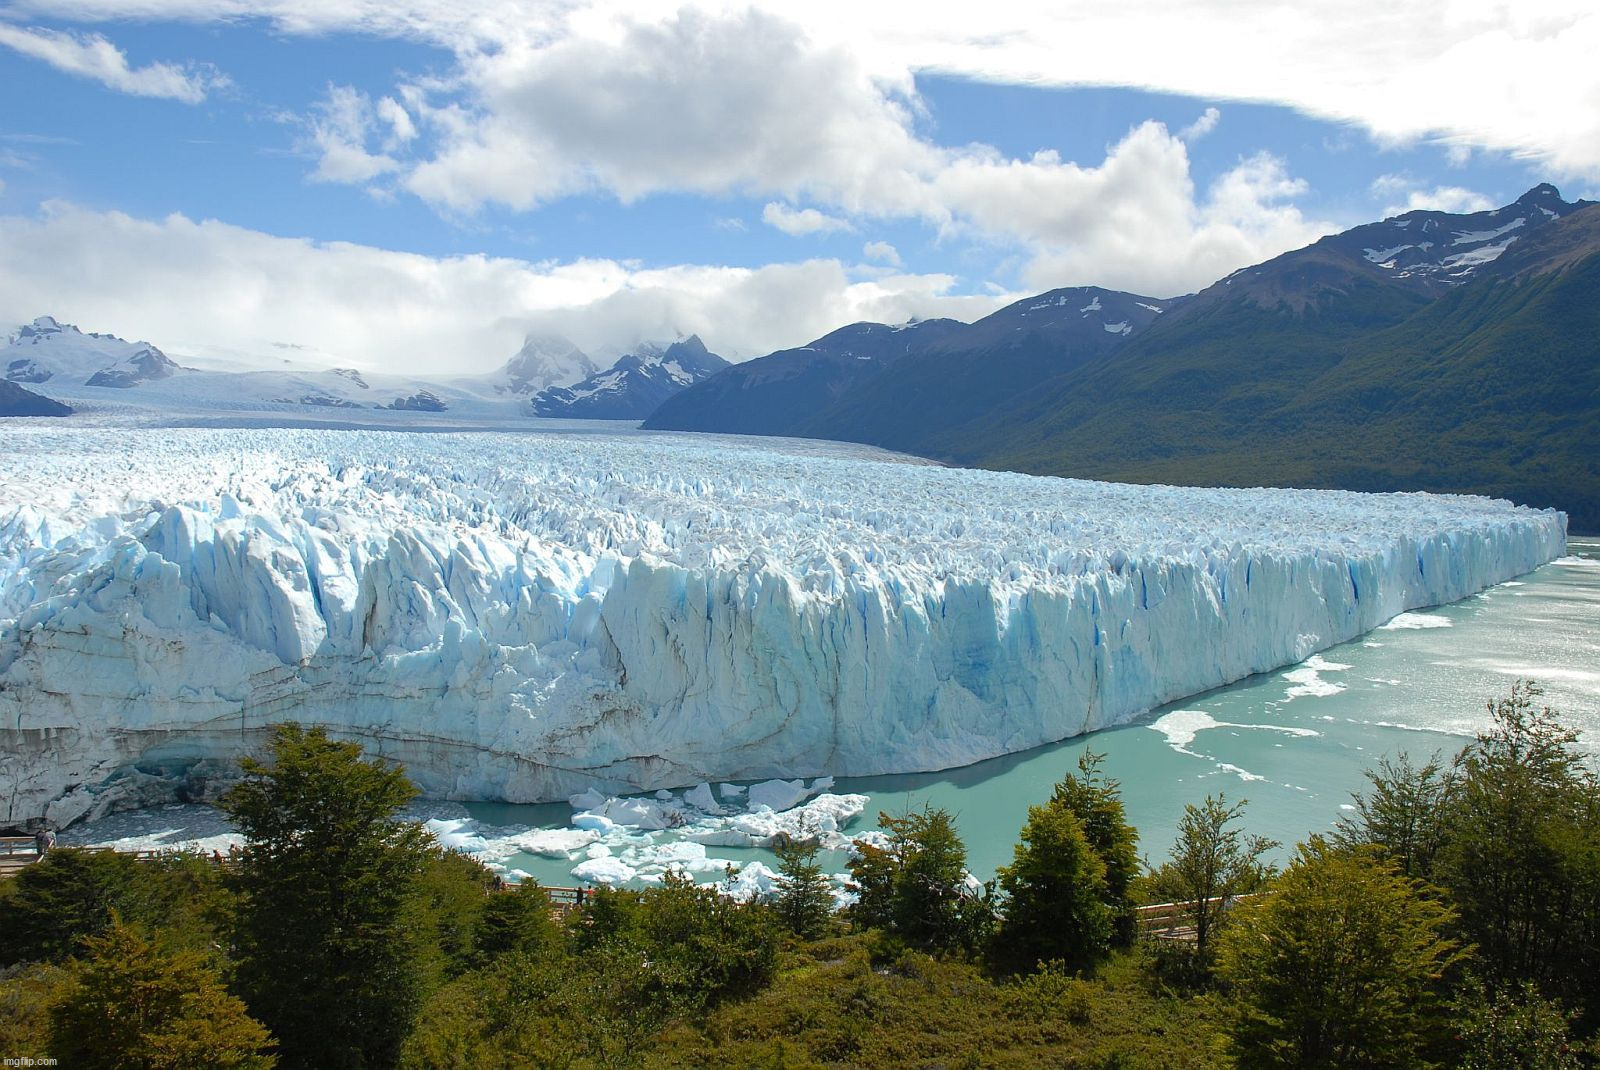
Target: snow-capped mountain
(62, 362)
(47, 351)
(1431, 252)
(634, 386)
(544, 361)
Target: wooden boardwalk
(19, 852)
(1175, 921)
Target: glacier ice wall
(520, 617)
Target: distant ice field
(521, 617)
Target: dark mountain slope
(869, 382)
(927, 400)
(1492, 388)
(16, 401)
(776, 394)
(1227, 359)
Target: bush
(702, 947)
(48, 908)
(1342, 965)
(518, 921)
(133, 1007)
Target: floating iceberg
(524, 616)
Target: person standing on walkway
(44, 839)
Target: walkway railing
(1176, 921)
(19, 852)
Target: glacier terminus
(526, 616)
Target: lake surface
(1294, 742)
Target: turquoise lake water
(1294, 743)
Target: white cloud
(215, 288)
(1133, 222)
(800, 222)
(742, 103)
(92, 56)
(1517, 78)
(882, 252)
(338, 130)
(1437, 199)
(401, 128)
(748, 104)
(1202, 126)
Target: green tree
(1522, 852)
(1405, 814)
(1341, 966)
(67, 895)
(1212, 861)
(135, 1007)
(326, 956)
(916, 886)
(1519, 1031)
(445, 912)
(1055, 893)
(804, 900)
(517, 921)
(27, 994)
(1097, 801)
(701, 946)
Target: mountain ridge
(635, 386)
(1233, 384)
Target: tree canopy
(327, 960)
(1343, 965)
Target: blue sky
(393, 186)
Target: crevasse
(522, 617)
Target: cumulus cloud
(1517, 78)
(741, 103)
(338, 132)
(800, 222)
(214, 289)
(1133, 222)
(1437, 199)
(1202, 126)
(748, 103)
(92, 56)
(817, 105)
(882, 252)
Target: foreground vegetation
(1452, 920)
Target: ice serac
(525, 617)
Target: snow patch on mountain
(1472, 237)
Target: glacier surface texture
(526, 616)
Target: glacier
(524, 617)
